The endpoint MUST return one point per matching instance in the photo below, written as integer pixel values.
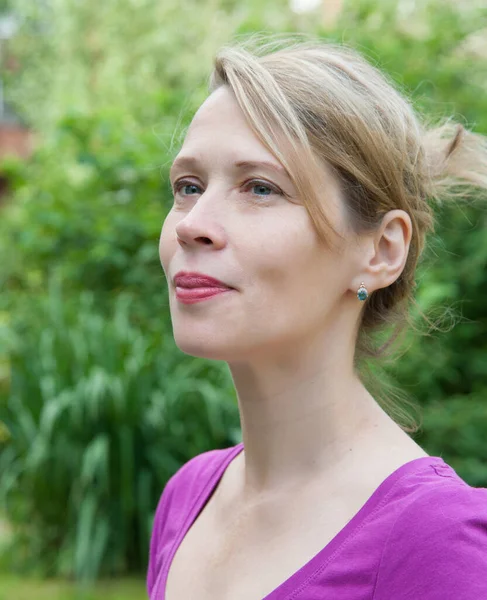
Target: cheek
(167, 243)
(299, 280)
(286, 260)
(289, 252)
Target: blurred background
(98, 408)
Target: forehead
(220, 105)
(220, 130)
(220, 120)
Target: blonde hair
(313, 103)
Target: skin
(287, 331)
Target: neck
(303, 414)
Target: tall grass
(22, 588)
(98, 417)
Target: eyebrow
(244, 165)
(249, 164)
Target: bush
(100, 416)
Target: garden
(98, 407)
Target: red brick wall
(14, 140)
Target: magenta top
(422, 535)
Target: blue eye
(184, 186)
(263, 190)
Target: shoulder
(190, 480)
(437, 547)
(195, 474)
(180, 493)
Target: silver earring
(362, 293)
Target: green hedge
(100, 415)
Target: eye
(187, 187)
(262, 188)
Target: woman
(300, 212)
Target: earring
(362, 293)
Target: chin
(203, 344)
(214, 347)
(214, 338)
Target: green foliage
(100, 416)
(109, 169)
(127, 54)
(5, 7)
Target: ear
(387, 251)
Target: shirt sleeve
(437, 548)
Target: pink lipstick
(196, 287)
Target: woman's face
(236, 217)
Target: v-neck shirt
(421, 535)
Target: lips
(196, 287)
(192, 280)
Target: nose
(200, 227)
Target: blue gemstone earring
(362, 293)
